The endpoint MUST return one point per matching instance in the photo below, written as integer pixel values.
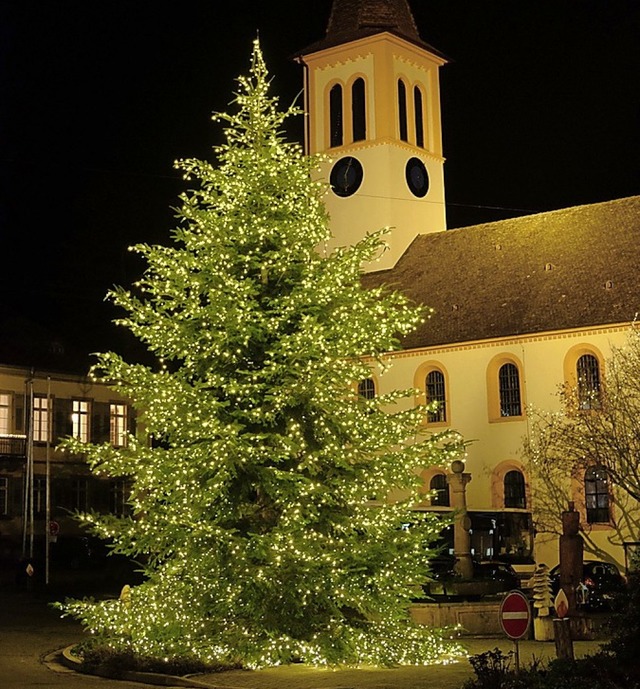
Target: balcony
(13, 446)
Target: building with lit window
(37, 410)
(521, 306)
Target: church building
(520, 306)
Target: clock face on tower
(417, 177)
(346, 176)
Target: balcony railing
(13, 445)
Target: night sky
(541, 110)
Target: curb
(71, 661)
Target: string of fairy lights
(261, 518)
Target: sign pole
(47, 518)
(515, 618)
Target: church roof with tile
(571, 268)
(351, 20)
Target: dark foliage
(493, 671)
(624, 645)
(491, 668)
(114, 664)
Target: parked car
(603, 581)
(497, 571)
(489, 578)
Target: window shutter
(131, 420)
(62, 420)
(100, 429)
(14, 497)
(18, 413)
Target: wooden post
(563, 640)
(571, 551)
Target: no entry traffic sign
(515, 615)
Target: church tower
(372, 100)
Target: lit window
(588, 371)
(4, 495)
(596, 491)
(5, 413)
(367, 388)
(514, 489)
(402, 110)
(439, 491)
(509, 384)
(118, 424)
(419, 115)
(436, 393)
(40, 419)
(335, 116)
(80, 420)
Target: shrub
(114, 664)
(601, 671)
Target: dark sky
(541, 110)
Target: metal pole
(47, 511)
(30, 479)
(25, 502)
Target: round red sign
(515, 614)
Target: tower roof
(351, 20)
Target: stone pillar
(457, 481)
(571, 551)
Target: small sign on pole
(515, 618)
(562, 627)
(54, 530)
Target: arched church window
(358, 110)
(596, 493)
(509, 387)
(335, 116)
(439, 491)
(367, 389)
(419, 115)
(402, 110)
(588, 373)
(514, 489)
(435, 389)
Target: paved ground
(431, 677)
(30, 633)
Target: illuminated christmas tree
(262, 509)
